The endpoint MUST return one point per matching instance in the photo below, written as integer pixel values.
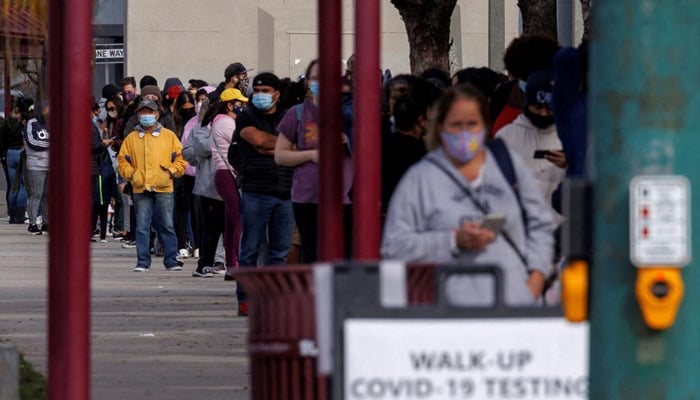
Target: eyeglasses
(111, 109)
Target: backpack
(505, 163)
(200, 141)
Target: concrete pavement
(155, 335)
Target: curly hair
(529, 53)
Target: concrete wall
(198, 39)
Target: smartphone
(494, 222)
(540, 153)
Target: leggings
(226, 187)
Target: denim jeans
(19, 198)
(264, 215)
(261, 215)
(156, 208)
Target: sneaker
(183, 254)
(103, 240)
(45, 228)
(117, 236)
(243, 309)
(196, 253)
(129, 245)
(176, 267)
(203, 272)
(140, 268)
(219, 268)
(34, 230)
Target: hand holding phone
(541, 153)
(494, 222)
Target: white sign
(660, 221)
(109, 53)
(431, 359)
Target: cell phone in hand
(541, 153)
(494, 222)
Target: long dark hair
(182, 98)
(219, 107)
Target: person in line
(297, 146)
(534, 131)
(103, 181)
(266, 206)
(222, 127)
(36, 145)
(151, 175)
(437, 212)
(11, 144)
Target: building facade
(198, 39)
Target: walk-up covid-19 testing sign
(499, 358)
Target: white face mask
(112, 114)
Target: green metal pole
(645, 119)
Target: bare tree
(539, 16)
(586, 11)
(428, 27)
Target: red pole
(330, 215)
(367, 132)
(6, 91)
(69, 196)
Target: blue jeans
(264, 215)
(155, 208)
(19, 198)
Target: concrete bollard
(9, 373)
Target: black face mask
(187, 114)
(539, 121)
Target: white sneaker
(183, 254)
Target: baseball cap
(539, 87)
(147, 104)
(232, 94)
(235, 69)
(267, 79)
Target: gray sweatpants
(38, 185)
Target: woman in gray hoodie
(436, 214)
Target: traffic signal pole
(644, 101)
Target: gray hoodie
(428, 207)
(197, 151)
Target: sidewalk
(155, 335)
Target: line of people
(229, 173)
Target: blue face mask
(147, 120)
(263, 101)
(315, 88)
